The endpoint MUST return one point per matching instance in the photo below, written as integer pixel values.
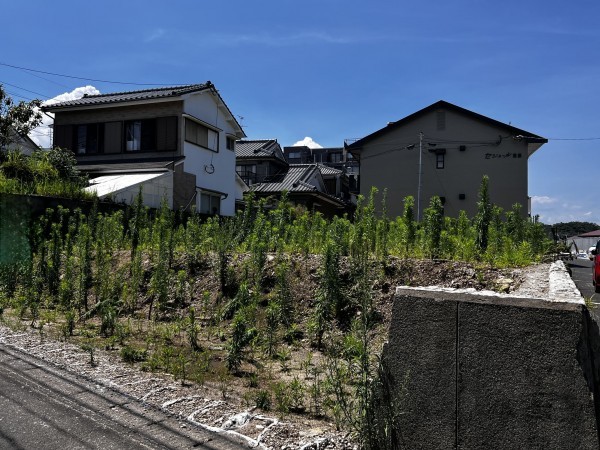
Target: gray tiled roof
(294, 180)
(261, 148)
(327, 170)
(117, 97)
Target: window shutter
(166, 133)
(63, 136)
(112, 137)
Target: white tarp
(125, 187)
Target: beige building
(458, 147)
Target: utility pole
(420, 172)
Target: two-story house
(258, 159)
(335, 157)
(177, 143)
(445, 150)
(307, 185)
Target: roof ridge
(256, 140)
(182, 87)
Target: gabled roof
(145, 95)
(260, 148)
(130, 96)
(295, 180)
(526, 135)
(590, 234)
(327, 170)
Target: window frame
(213, 197)
(440, 160)
(230, 143)
(126, 130)
(187, 134)
(86, 134)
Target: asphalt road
(581, 273)
(42, 407)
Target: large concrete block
(422, 353)
(494, 371)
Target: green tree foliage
(568, 229)
(483, 217)
(17, 118)
(433, 223)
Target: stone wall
(494, 371)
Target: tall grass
(101, 270)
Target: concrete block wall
(494, 371)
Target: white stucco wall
(214, 171)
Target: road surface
(581, 272)
(43, 407)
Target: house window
(201, 135)
(439, 161)
(133, 136)
(294, 155)
(230, 143)
(247, 173)
(210, 203)
(89, 138)
(140, 135)
(335, 157)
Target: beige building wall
(386, 162)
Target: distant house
(445, 150)
(585, 241)
(305, 185)
(20, 142)
(257, 159)
(335, 157)
(176, 143)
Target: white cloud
(307, 142)
(75, 94)
(542, 200)
(155, 35)
(42, 135)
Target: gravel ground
(205, 406)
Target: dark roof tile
(118, 97)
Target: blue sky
(334, 70)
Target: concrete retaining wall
(492, 371)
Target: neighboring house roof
(326, 170)
(260, 148)
(145, 95)
(591, 234)
(129, 96)
(295, 180)
(21, 141)
(525, 135)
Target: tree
(484, 216)
(19, 118)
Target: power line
(23, 89)
(575, 139)
(83, 78)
